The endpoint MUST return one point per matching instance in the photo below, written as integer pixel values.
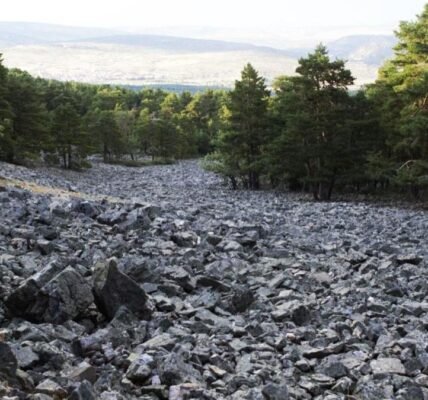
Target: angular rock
(67, 296)
(22, 300)
(164, 340)
(141, 369)
(272, 391)
(293, 310)
(242, 298)
(50, 296)
(86, 207)
(113, 289)
(112, 217)
(83, 372)
(136, 219)
(51, 388)
(84, 391)
(25, 356)
(387, 366)
(173, 370)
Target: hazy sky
(266, 14)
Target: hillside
(107, 56)
(24, 33)
(369, 49)
(211, 294)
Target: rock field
(160, 283)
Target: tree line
(66, 121)
(306, 132)
(309, 132)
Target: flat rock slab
(387, 366)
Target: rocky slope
(160, 283)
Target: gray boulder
(113, 289)
(175, 370)
(84, 391)
(51, 296)
(68, 295)
(21, 301)
(273, 391)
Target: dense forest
(65, 122)
(307, 132)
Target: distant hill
(370, 49)
(180, 44)
(108, 56)
(24, 33)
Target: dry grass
(56, 192)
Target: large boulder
(136, 219)
(68, 295)
(241, 299)
(21, 301)
(88, 208)
(51, 296)
(112, 217)
(273, 391)
(174, 370)
(84, 391)
(113, 289)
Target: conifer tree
(241, 143)
(401, 96)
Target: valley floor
(217, 294)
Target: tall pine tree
(241, 143)
(401, 95)
(315, 108)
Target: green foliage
(66, 132)
(413, 173)
(401, 99)
(29, 128)
(311, 134)
(203, 117)
(65, 121)
(313, 112)
(245, 132)
(6, 142)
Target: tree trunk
(253, 180)
(330, 187)
(106, 153)
(69, 156)
(322, 191)
(315, 191)
(233, 182)
(64, 159)
(415, 191)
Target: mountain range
(118, 57)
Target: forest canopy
(305, 132)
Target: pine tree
(6, 143)
(401, 96)
(315, 108)
(29, 132)
(70, 140)
(241, 143)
